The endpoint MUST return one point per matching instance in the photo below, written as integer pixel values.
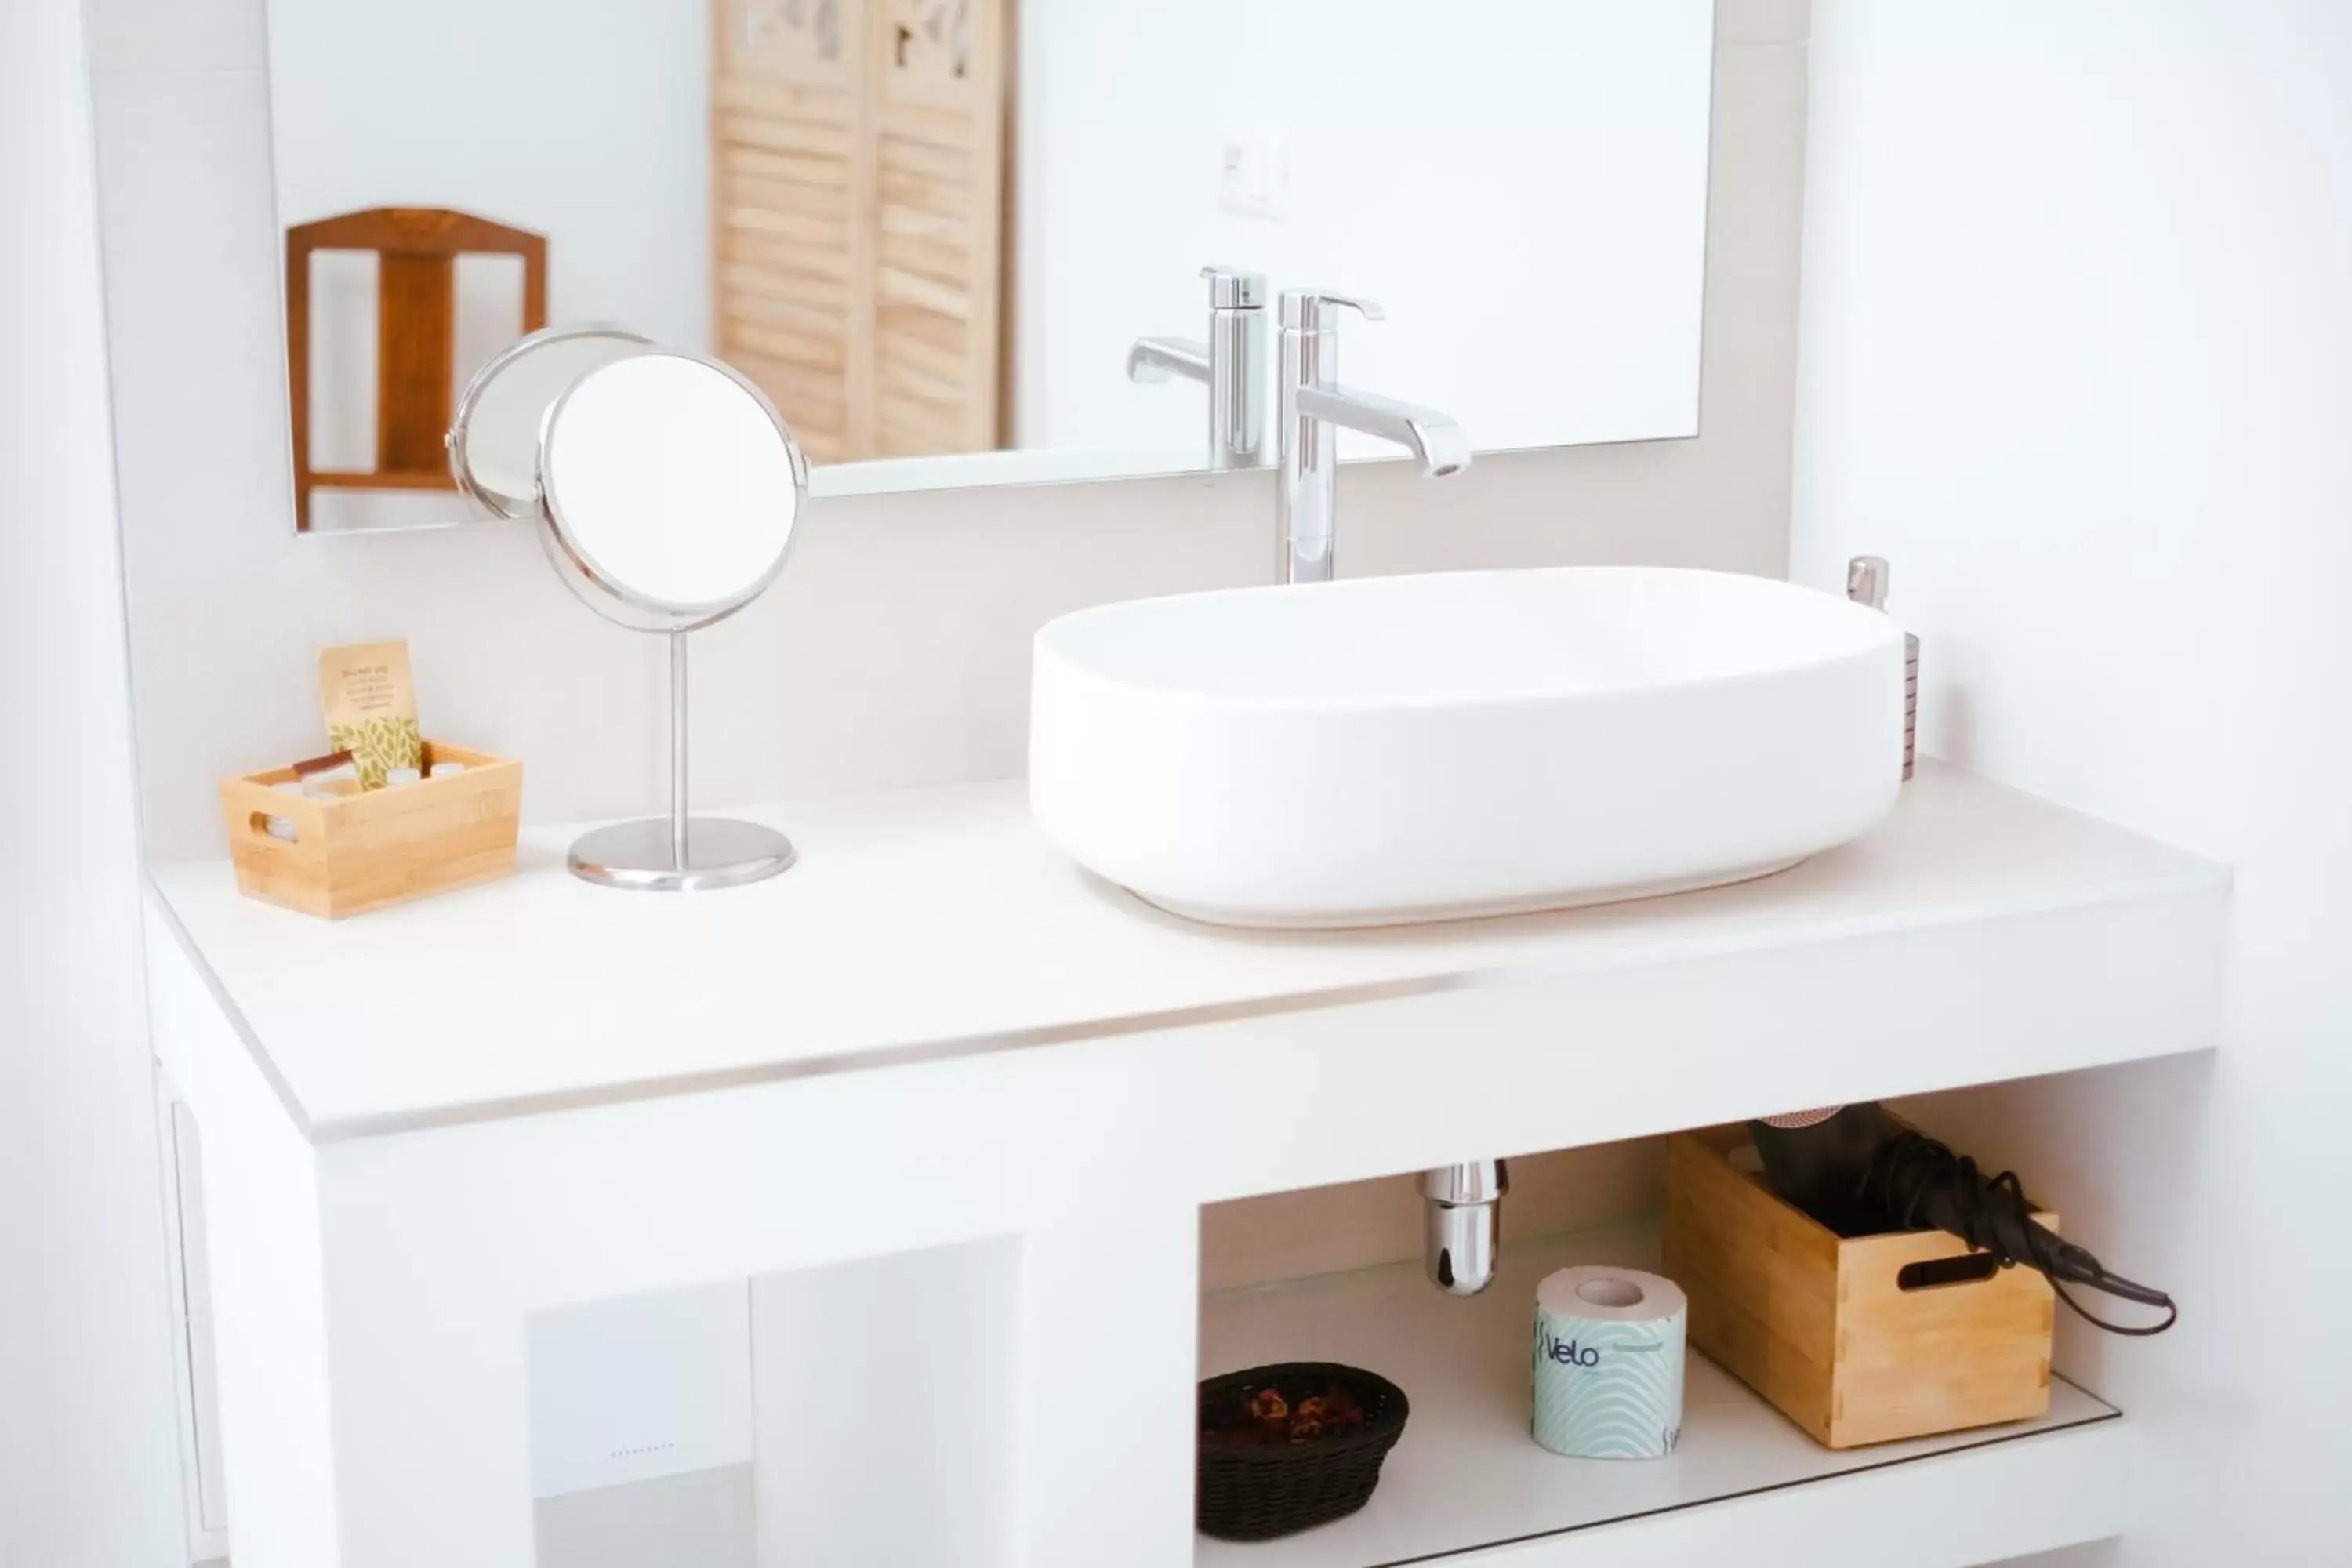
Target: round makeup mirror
(493, 439)
(667, 489)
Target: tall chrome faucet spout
(1433, 437)
(1313, 406)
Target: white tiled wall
(896, 649)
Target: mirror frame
(461, 421)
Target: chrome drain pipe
(1462, 1224)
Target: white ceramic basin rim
(1386, 749)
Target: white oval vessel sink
(1390, 749)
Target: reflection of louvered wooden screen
(858, 203)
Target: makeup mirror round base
(718, 852)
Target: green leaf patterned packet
(369, 703)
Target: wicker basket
(1258, 1493)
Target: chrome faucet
(1231, 364)
(1313, 404)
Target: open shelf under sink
(1467, 1480)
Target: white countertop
(938, 922)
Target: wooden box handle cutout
(1938, 1273)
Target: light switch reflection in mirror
(930, 229)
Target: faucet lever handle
(1315, 309)
(1235, 288)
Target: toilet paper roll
(1609, 1363)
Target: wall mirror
(931, 232)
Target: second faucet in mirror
(1231, 364)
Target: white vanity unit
(424, 1128)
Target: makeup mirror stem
(677, 750)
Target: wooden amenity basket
(354, 853)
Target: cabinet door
(858, 221)
(192, 1346)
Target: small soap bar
(444, 769)
(281, 827)
(401, 776)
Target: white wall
(889, 1396)
(701, 1519)
(2077, 314)
(1522, 182)
(88, 1453)
(587, 121)
(896, 649)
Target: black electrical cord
(1921, 1185)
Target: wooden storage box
(354, 853)
(1824, 1327)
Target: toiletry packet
(370, 705)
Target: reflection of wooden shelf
(1746, 1486)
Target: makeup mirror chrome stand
(665, 545)
(680, 853)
